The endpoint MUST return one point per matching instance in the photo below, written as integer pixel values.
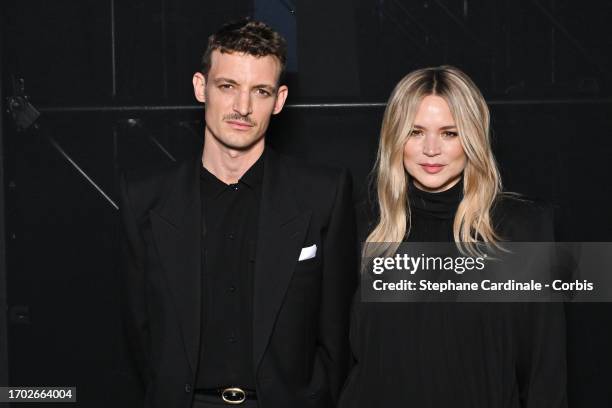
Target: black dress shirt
(230, 213)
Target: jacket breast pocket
(310, 265)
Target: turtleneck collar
(442, 205)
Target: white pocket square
(308, 252)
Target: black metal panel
(62, 49)
(4, 366)
(511, 48)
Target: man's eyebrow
(227, 80)
(269, 87)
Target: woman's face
(433, 155)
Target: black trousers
(210, 401)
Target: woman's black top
(488, 355)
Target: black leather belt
(230, 395)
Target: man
(240, 265)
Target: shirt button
(235, 187)
(231, 235)
(231, 339)
(232, 288)
(187, 388)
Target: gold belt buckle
(233, 395)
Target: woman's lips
(432, 168)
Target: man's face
(241, 93)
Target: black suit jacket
(300, 309)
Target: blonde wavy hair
(481, 179)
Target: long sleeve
(339, 283)
(133, 298)
(541, 363)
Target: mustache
(239, 117)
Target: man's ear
(281, 97)
(199, 84)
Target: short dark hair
(249, 37)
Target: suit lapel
(282, 229)
(177, 231)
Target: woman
(437, 180)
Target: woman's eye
(416, 132)
(451, 134)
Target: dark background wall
(112, 80)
